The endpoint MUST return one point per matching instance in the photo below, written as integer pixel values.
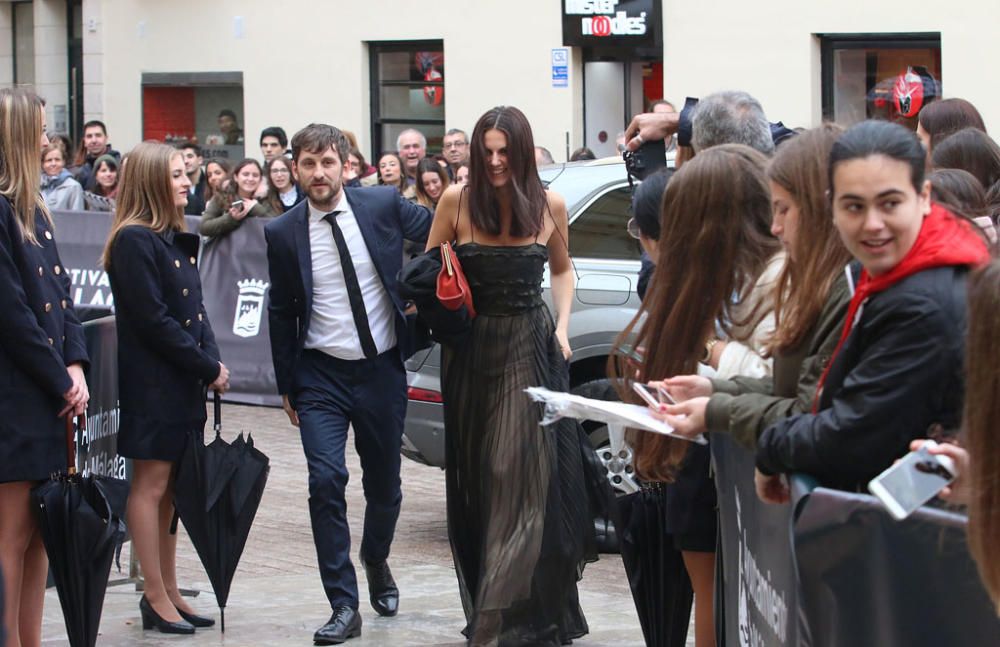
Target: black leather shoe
(382, 591)
(345, 623)
(152, 620)
(197, 621)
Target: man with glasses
(456, 150)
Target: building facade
(578, 68)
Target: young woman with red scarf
(896, 374)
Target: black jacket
(40, 336)
(898, 374)
(166, 350)
(196, 198)
(85, 171)
(384, 218)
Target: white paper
(566, 405)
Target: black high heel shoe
(195, 620)
(152, 620)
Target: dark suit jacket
(385, 219)
(40, 336)
(196, 201)
(166, 348)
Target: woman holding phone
(896, 373)
(235, 202)
(42, 359)
(166, 356)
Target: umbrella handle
(217, 411)
(81, 422)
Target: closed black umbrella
(81, 518)
(216, 493)
(656, 574)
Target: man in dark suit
(338, 341)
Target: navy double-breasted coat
(166, 350)
(40, 336)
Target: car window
(599, 232)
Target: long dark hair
(980, 419)
(527, 195)
(718, 207)
(877, 137)
(818, 256)
(942, 118)
(972, 150)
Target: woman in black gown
(518, 516)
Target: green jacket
(745, 407)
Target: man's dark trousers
(370, 396)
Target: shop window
(206, 107)
(407, 91)
(599, 232)
(879, 76)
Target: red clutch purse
(452, 287)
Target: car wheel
(618, 466)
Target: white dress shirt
(331, 322)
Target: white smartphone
(913, 481)
(654, 396)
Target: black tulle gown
(519, 520)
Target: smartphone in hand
(913, 481)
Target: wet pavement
(277, 598)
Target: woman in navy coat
(42, 358)
(166, 356)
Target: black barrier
(81, 236)
(833, 569)
(235, 282)
(759, 585)
(97, 445)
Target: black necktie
(353, 288)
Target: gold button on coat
(41, 271)
(187, 323)
(51, 341)
(185, 291)
(177, 264)
(63, 304)
(57, 269)
(48, 235)
(193, 260)
(48, 307)
(200, 318)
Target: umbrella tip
(222, 619)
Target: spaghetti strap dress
(520, 520)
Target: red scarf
(943, 240)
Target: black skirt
(692, 503)
(145, 439)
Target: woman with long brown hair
(518, 513)
(810, 300)
(42, 358)
(236, 201)
(167, 356)
(717, 207)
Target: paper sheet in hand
(566, 405)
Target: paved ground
(277, 598)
